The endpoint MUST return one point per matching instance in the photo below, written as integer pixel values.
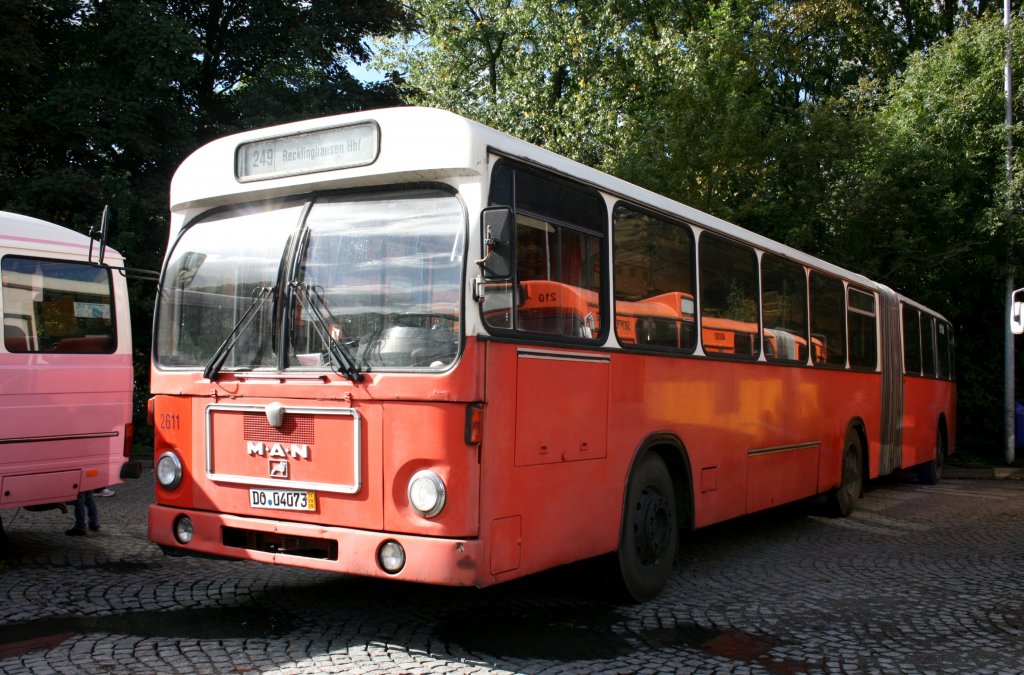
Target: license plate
(289, 500)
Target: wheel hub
(652, 526)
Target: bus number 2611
(169, 421)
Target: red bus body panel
(420, 421)
(559, 426)
(924, 401)
(748, 445)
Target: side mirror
(101, 234)
(498, 234)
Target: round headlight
(183, 530)
(426, 493)
(391, 557)
(168, 470)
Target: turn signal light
(474, 423)
(129, 436)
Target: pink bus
(65, 365)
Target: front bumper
(448, 562)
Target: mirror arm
(489, 244)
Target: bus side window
(928, 345)
(828, 320)
(654, 280)
(57, 306)
(911, 341)
(863, 336)
(728, 298)
(942, 339)
(558, 279)
(784, 309)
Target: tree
(921, 205)
(737, 106)
(533, 69)
(263, 61)
(115, 94)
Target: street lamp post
(1008, 353)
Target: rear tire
(930, 473)
(843, 499)
(650, 532)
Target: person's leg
(79, 528)
(94, 515)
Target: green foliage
(735, 107)
(922, 204)
(496, 61)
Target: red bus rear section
(450, 357)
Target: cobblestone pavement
(920, 579)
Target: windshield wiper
(341, 361)
(213, 366)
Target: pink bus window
(56, 306)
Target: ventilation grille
(296, 429)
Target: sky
(364, 73)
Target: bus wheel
(930, 473)
(650, 532)
(842, 499)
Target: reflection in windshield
(315, 308)
(386, 270)
(213, 273)
(213, 366)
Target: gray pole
(1008, 354)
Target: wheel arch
(670, 448)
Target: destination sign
(310, 152)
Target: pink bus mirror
(104, 223)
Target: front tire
(650, 531)
(843, 499)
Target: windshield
(376, 276)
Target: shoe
(94, 528)
(75, 532)
(105, 492)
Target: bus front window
(388, 270)
(378, 274)
(216, 269)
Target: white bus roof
(423, 144)
(25, 234)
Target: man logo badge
(278, 468)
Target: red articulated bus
(401, 344)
